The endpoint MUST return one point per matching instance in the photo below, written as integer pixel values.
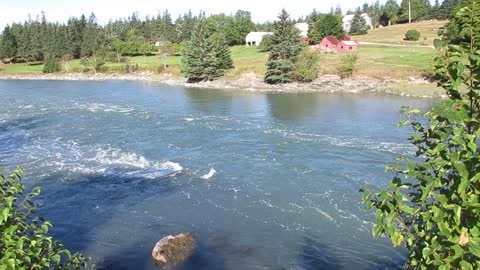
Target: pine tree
(8, 44)
(286, 46)
(206, 56)
(391, 10)
(359, 25)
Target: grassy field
(374, 61)
(395, 34)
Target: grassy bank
(395, 34)
(375, 61)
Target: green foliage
(206, 56)
(134, 45)
(420, 10)
(464, 26)
(348, 62)
(92, 64)
(326, 25)
(266, 44)
(8, 44)
(432, 206)
(307, 66)
(390, 11)
(359, 25)
(286, 46)
(24, 240)
(412, 35)
(51, 65)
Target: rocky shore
(416, 87)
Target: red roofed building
(332, 43)
(329, 42)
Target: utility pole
(409, 11)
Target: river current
(262, 180)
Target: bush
(412, 35)
(266, 44)
(24, 243)
(51, 65)
(307, 66)
(432, 205)
(347, 67)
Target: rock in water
(172, 250)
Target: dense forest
(38, 40)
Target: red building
(332, 43)
(329, 42)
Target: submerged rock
(172, 250)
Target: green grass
(395, 34)
(374, 61)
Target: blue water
(123, 164)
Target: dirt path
(395, 45)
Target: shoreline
(414, 87)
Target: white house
(303, 27)
(347, 21)
(255, 38)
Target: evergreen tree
(8, 44)
(391, 10)
(285, 48)
(327, 25)
(374, 12)
(359, 25)
(206, 56)
(420, 9)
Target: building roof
(349, 43)
(253, 35)
(332, 39)
(303, 27)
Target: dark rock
(172, 250)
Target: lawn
(374, 61)
(395, 34)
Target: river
(263, 181)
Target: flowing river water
(262, 180)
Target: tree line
(39, 40)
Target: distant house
(303, 28)
(333, 44)
(347, 21)
(255, 38)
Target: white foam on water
(59, 156)
(209, 175)
(101, 107)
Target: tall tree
(391, 10)
(8, 44)
(419, 9)
(327, 25)
(286, 46)
(359, 25)
(206, 56)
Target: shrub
(51, 65)
(412, 35)
(307, 66)
(24, 243)
(266, 44)
(432, 206)
(348, 62)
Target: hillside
(395, 34)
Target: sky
(261, 10)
